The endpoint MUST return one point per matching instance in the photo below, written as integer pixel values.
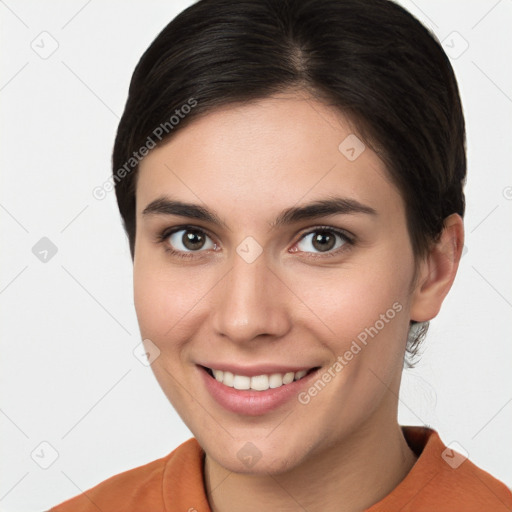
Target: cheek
(349, 301)
(161, 299)
(361, 311)
(364, 323)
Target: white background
(68, 326)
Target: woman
(290, 177)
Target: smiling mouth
(257, 382)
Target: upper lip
(254, 370)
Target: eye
(324, 240)
(181, 241)
(184, 241)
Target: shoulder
(444, 479)
(471, 484)
(135, 489)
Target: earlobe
(437, 271)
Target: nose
(252, 302)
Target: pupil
(324, 240)
(193, 240)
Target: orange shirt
(438, 482)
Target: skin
(293, 305)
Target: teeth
(258, 382)
(275, 380)
(300, 374)
(288, 377)
(242, 382)
(228, 378)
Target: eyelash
(167, 232)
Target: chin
(257, 456)
(252, 461)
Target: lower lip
(250, 402)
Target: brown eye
(322, 240)
(193, 240)
(189, 240)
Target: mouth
(256, 389)
(261, 383)
(256, 394)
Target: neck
(347, 477)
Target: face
(242, 274)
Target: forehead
(270, 153)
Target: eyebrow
(320, 208)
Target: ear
(437, 271)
